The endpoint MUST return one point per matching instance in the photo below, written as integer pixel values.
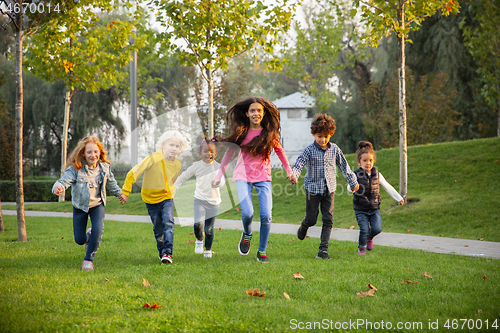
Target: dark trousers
(313, 203)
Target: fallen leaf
(409, 230)
(298, 276)
(191, 234)
(154, 306)
(351, 227)
(366, 293)
(256, 292)
(455, 180)
(54, 248)
(106, 279)
(62, 237)
(220, 229)
(441, 235)
(408, 281)
(484, 277)
(480, 239)
(408, 268)
(372, 287)
(466, 245)
(335, 229)
(85, 325)
(145, 283)
(286, 295)
(238, 209)
(190, 242)
(427, 275)
(291, 240)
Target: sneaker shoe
(87, 265)
(361, 252)
(207, 254)
(89, 232)
(369, 244)
(302, 232)
(166, 258)
(198, 247)
(244, 246)
(262, 257)
(323, 255)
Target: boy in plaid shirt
(320, 181)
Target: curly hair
(239, 124)
(77, 159)
(365, 147)
(170, 135)
(323, 124)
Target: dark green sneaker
(323, 255)
(262, 257)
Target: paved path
(464, 247)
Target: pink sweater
(251, 168)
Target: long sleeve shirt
(205, 173)
(321, 176)
(159, 177)
(388, 187)
(253, 169)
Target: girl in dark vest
(367, 199)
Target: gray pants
(313, 203)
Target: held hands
(58, 190)
(355, 188)
(215, 183)
(123, 198)
(402, 202)
(291, 177)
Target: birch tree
(382, 17)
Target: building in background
(296, 117)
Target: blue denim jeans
(80, 219)
(162, 217)
(205, 212)
(370, 225)
(264, 193)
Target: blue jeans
(80, 219)
(264, 192)
(205, 211)
(370, 225)
(162, 217)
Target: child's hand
(291, 177)
(402, 202)
(123, 198)
(355, 188)
(58, 190)
(215, 183)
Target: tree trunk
(402, 113)
(21, 222)
(67, 103)
(2, 226)
(498, 115)
(210, 104)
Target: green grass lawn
(454, 191)
(43, 289)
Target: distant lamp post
(133, 104)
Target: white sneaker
(198, 249)
(207, 254)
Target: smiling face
(171, 148)
(366, 162)
(255, 113)
(322, 139)
(208, 153)
(91, 154)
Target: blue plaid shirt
(321, 176)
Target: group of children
(254, 130)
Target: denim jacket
(80, 189)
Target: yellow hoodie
(159, 177)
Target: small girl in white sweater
(206, 198)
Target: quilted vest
(368, 195)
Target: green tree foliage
(7, 139)
(431, 117)
(483, 42)
(207, 34)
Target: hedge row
(37, 191)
